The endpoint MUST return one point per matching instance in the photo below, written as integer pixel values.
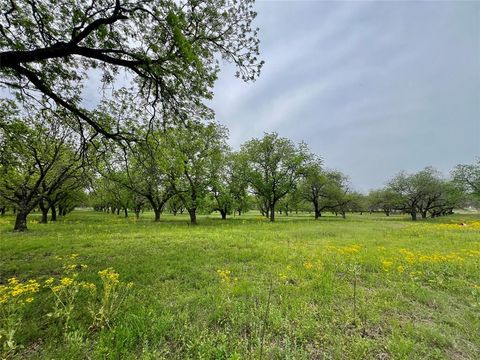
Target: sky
(372, 87)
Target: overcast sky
(372, 87)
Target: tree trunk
(317, 211)
(387, 212)
(44, 210)
(157, 214)
(424, 214)
(137, 214)
(414, 215)
(21, 221)
(53, 216)
(126, 212)
(193, 215)
(2, 211)
(224, 214)
(118, 211)
(272, 212)
(174, 211)
(343, 214)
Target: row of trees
(45, 165)
(194, 169)
(426, 193)
(49, 168)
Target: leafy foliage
(170, 50)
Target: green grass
(179, 307)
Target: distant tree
(452, 196)
(324, 189)
(69, 192)
(357, 202)
(146, 168)
(340, 198)
(424, 192)
(314, 186)
(219, 197)
(73, 198)
(272, 168)
(3, 206)
(99, 196)
(227, 190)
(175, 205)
(237, 185)
(121, 196)
(409, 190)
(383, 199)
(138, 203)
(468, 176)
(199, 150)
(170, 49)
(293, 201)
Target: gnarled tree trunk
(157, 212)
(21, 220)
(193, 215)
(44, 210)
(224, 214)
(272, 212)
(53, 216)
(414, 215)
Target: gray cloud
(373, 87)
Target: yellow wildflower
(69, 267)
(224, 275)
(307, 265)
(387, 265)
(88, 286)
(66, 281)
(12, 281)
(109, 275)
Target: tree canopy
(170, 50)
(272, 167)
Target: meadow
(365, 287)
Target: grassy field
(368, 287)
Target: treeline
(45, 166)
(192, 169)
